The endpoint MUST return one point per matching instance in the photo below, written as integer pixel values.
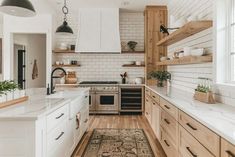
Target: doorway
(20, 65)
(30, 60)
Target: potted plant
(160, 76)
(7, 89)
(203, 93)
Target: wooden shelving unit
(133, 52)
(63, 51)
(187, 30)
(187, 60)
(132, 65)
(55, 66)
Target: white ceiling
(132, 5)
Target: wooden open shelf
(55, 66)
(133, 52)
(187, 30)
(63, 51)
(187, 60)
(132, 65)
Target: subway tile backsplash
(97, 67)
(103, 67)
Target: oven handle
(111, 92)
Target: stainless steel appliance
(104, 96)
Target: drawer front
(170, 125)
(57, 137)
(205, 136)
(57, 117)
(148, 109)
(155, 97)
(167, 145)
(227, 149)
(189, 146)
(147, 92)
(169, 108)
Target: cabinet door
(88, 18)
(110, 36)
(227, 149)
(156, 119)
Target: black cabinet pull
(167, 107)
(59, 116)
(167, 121)
(86, 96)
(166, 143)
(189, 125)
(153, 96)
(189, 150)
(61, 134)
(230, 153)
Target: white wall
(106, 66)
(35, 49)
(185, 77)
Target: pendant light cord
(65, 10)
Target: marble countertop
(218, 117)
(39, 104)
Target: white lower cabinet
(53, 135)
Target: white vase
(16, 94)
(9, 95)
(3, 98)
(22, 93)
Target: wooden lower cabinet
(227, 149)
(168, 146)
(156, 118)
(204, 135)
(148, 109)
(170, 125)
(190, 147)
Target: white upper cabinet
(98, 31)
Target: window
(232, 42)
(225, 43)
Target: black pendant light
(64, 28)
(21, 8)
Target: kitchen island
(45, 126)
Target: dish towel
(35, 70)
(78, 116)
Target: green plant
(201, 88)
(160, 76)
(6, 86)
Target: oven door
(107, 102)
(92, 98)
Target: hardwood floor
(120, 121)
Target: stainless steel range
(104, 96)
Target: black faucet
(52, 77)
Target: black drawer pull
(166, 143)
(167, 121)
(61, 134)
(189, 150)
(59, 116)
(86, 96)
(189, 125)
(230, 153)
(167, 107)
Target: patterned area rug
(118, 143)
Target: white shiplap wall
(185, 77)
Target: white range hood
(98, 31)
